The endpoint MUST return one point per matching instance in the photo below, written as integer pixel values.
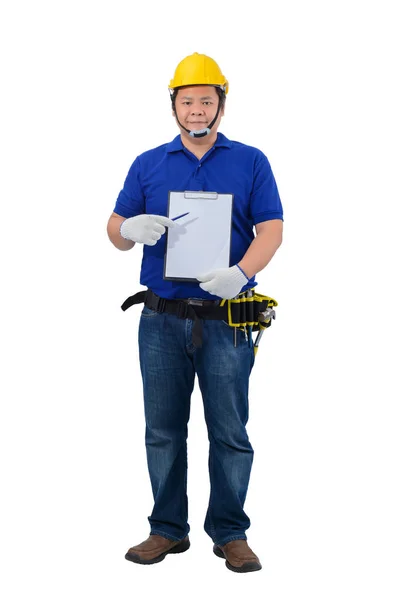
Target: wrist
(243, 272)
(120, 230)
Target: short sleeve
(130, 201)
(265, 203)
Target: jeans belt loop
(182, 310)
(161, 303)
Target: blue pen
(175, 218)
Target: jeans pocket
(227, 324)
(148, 312)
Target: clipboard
(201, 240)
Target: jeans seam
(168, 536)
(231, 539)
(210, 506)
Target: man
(170, 352)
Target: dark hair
(220, 92)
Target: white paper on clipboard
(201, 240)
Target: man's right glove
(145, 229)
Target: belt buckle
(195, 301)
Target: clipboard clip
(201, 195)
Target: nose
(197, 108)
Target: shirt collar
(177, 145)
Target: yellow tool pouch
(243, 311)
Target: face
(197, 106)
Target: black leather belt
(236, 313)
(184, 308)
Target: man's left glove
(225, 283)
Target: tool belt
(241, 312)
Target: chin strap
(201, 132)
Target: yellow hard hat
(198, 69)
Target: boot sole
(181, 547)
(246, 568)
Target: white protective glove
(225, 283)
(145, 229)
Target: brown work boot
(239, 557)
(155, 549)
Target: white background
(84, 91)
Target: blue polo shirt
(228, 168)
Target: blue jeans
(168, 363)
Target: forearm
(114, 235)
(260, 252)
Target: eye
(186, 102)
(207, 102)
